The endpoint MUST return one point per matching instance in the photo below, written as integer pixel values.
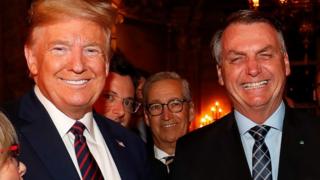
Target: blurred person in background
(137, 123)
(10, 166)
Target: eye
(155, 107)
(175, 104)
(265, 55)
(234, 59)
(92, 51)
(59, 50)
(128, 102)
(109, 97)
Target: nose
(22, 169)
(253, 67)
(118, 109)
(167, 114)
(77, 61)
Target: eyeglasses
(174, 106)
(129, 104)
(14, 152)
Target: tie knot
(169, 159)
(77, 129)
(259, 132)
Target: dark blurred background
(174, 35)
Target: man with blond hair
(67, 53)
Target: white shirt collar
(62, 122)
(160, 154)
(275, 121)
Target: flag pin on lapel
(120, 143)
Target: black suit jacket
(46, 157)
(159, 170)
(215, 152)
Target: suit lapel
(291, 147)
(117, 148)
(45, 140)
(235, 161)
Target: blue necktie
(261, 161)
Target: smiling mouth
(255, 85)
(76, 82)
(169, 125)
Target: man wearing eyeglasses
(117, 101)
(168, 112)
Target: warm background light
(214, 112)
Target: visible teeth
(255, 85)
(76, 82)
(169, 125)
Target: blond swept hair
(44, 12)
(8, 137)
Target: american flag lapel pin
(120, 143)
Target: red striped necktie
(88, 166)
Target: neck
(260, 114)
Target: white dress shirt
(95, 140)
(272, 139)
(160, 155)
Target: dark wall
(14, 79)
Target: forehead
(165, 90)
(242, 36)
(122, 85)
(73, 30)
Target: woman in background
(10, 167)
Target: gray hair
(164, 76)
(244, 17)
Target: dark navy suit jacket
(46, 157)
(215, 152)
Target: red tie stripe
(87, 164)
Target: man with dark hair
(117, 101)
(262, 138)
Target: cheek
(154, 124)
(9, 171)
(98, 66)
(108, 113)
(128, 115)
(229, 74)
